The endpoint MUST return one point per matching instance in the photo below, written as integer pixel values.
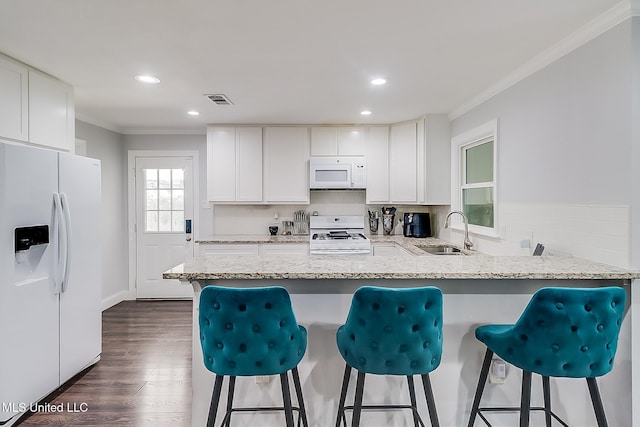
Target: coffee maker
(416, 224)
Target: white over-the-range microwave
(344, 173)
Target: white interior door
(164, 207)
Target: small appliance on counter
(416, 224)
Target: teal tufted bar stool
(391, 332)
(563, 332)
(249, 332)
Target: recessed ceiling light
(365, 113)
(378, 81)
(145, 78)
(193, 113)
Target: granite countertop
(409, 244)
(476, 266)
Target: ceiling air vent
(219, 99)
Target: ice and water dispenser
(27, 237)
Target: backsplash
(256, 219)
(595, 232)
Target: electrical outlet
(263, 379)
(498, 371)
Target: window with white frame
(474, 186)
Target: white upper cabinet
(403, 163)
(286, 165)
(438, 159)
(35, 107)
(377, 155)
(51, 112)
(14, 100)
(337, 141)
(234, 164)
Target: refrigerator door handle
(58, 232)
(67, 247)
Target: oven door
(330, 176)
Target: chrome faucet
(467, 243)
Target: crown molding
(169, 131)
(95, 122)
(614, 16)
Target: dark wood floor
(144, 376)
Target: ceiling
(281, 61)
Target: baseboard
(114, 299)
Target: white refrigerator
(50, 278)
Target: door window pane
(177, 202)
(152, 221)
(152, 199)
(164, 178)
(479, 163)
(151, 178)
(164, 200)
(477, 204)
(177, 176)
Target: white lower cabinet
(389, 250)
(254, 249)
(251, 249)
(287, 249)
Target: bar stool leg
(215, 398)
(547, 400)
(343, 396)
(431, 403)
(357, 404)
(412, 398)
(286, 397)
(525, 399)
(597, 402)
(484, 373)
(296, 384)
(227, 416)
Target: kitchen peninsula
(477, 289)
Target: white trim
(614, 16)
(114, 299)
(457, 142)
(82, 118)
(156, 131)
(131, 198)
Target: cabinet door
(51, 112)
(438, 160)
(324, 141)
(378, 165)
(403, 163)
(351, 141)
(286, 164)
(14, 100)
(221, 164)
(241, 249)
(284, 249)
(249, 164)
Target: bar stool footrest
(516, 409)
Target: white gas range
(335, 235)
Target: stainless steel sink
(441, 250)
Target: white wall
(108, 147)
(565, 145)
